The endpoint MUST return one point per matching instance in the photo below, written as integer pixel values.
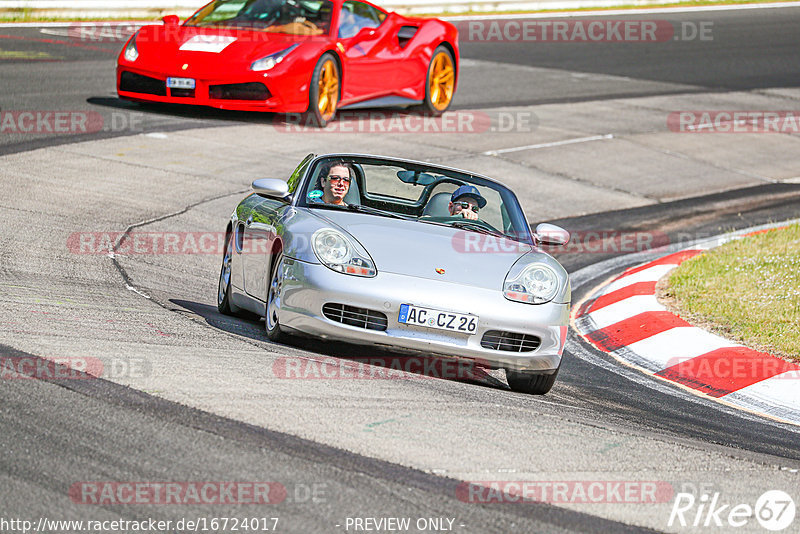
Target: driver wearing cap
(465, 202)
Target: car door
(258, 235)
(366, 38)
(260, 232)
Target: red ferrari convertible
(292, 56)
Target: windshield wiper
(467, 224)
(375, 211)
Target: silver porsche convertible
(405, 255)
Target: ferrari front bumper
(148, 86)
(308, 287)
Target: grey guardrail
(145, 9)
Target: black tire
(272, 325)
(314, 116)
(224, 286)
(532, 383)
(435, 104)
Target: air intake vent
(136, 83)
(510, 341)
(182, 93)
(405, 34)
(239, 91)
(359, 317)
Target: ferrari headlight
(131, 53)
(266, 63)
(535, 284)
(338, 252)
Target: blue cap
(468, 191)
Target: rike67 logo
(774, 510)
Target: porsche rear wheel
(532, 383)
(224, 288)
(273, 326)
(440, 83)
(324, 92)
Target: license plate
(443, 320)
(180, 83)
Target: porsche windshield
(415, 191)
(295, 17)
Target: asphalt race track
(189, 395)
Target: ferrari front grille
(136, 83)
(352, 316)
(182, 93)
(239, 91)
(510, 341)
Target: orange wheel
(441, 82)
(324, 91)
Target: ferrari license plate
(443, 320)
(180, 83)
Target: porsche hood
(431, 251)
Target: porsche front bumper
(308, 287)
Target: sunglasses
(465, 205)
(345, 179)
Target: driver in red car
(466, 201)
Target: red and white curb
(623, 318)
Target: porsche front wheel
(532, 383)
(324, 92)
(440, 83)
(274, 332)
(224, 287)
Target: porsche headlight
(131, 53)
(266, 63)
(338, 252)
(535, 284)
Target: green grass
(27, 15)
(747, 290)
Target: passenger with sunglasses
(465, 202)
(335, 179)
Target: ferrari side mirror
(171, 20)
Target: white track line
(548, 145)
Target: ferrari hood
(208, 48)
(431, 251)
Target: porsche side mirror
(171, 20)
(271, 187)
(550, 234)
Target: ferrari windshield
(414, 191)
(295, 17)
